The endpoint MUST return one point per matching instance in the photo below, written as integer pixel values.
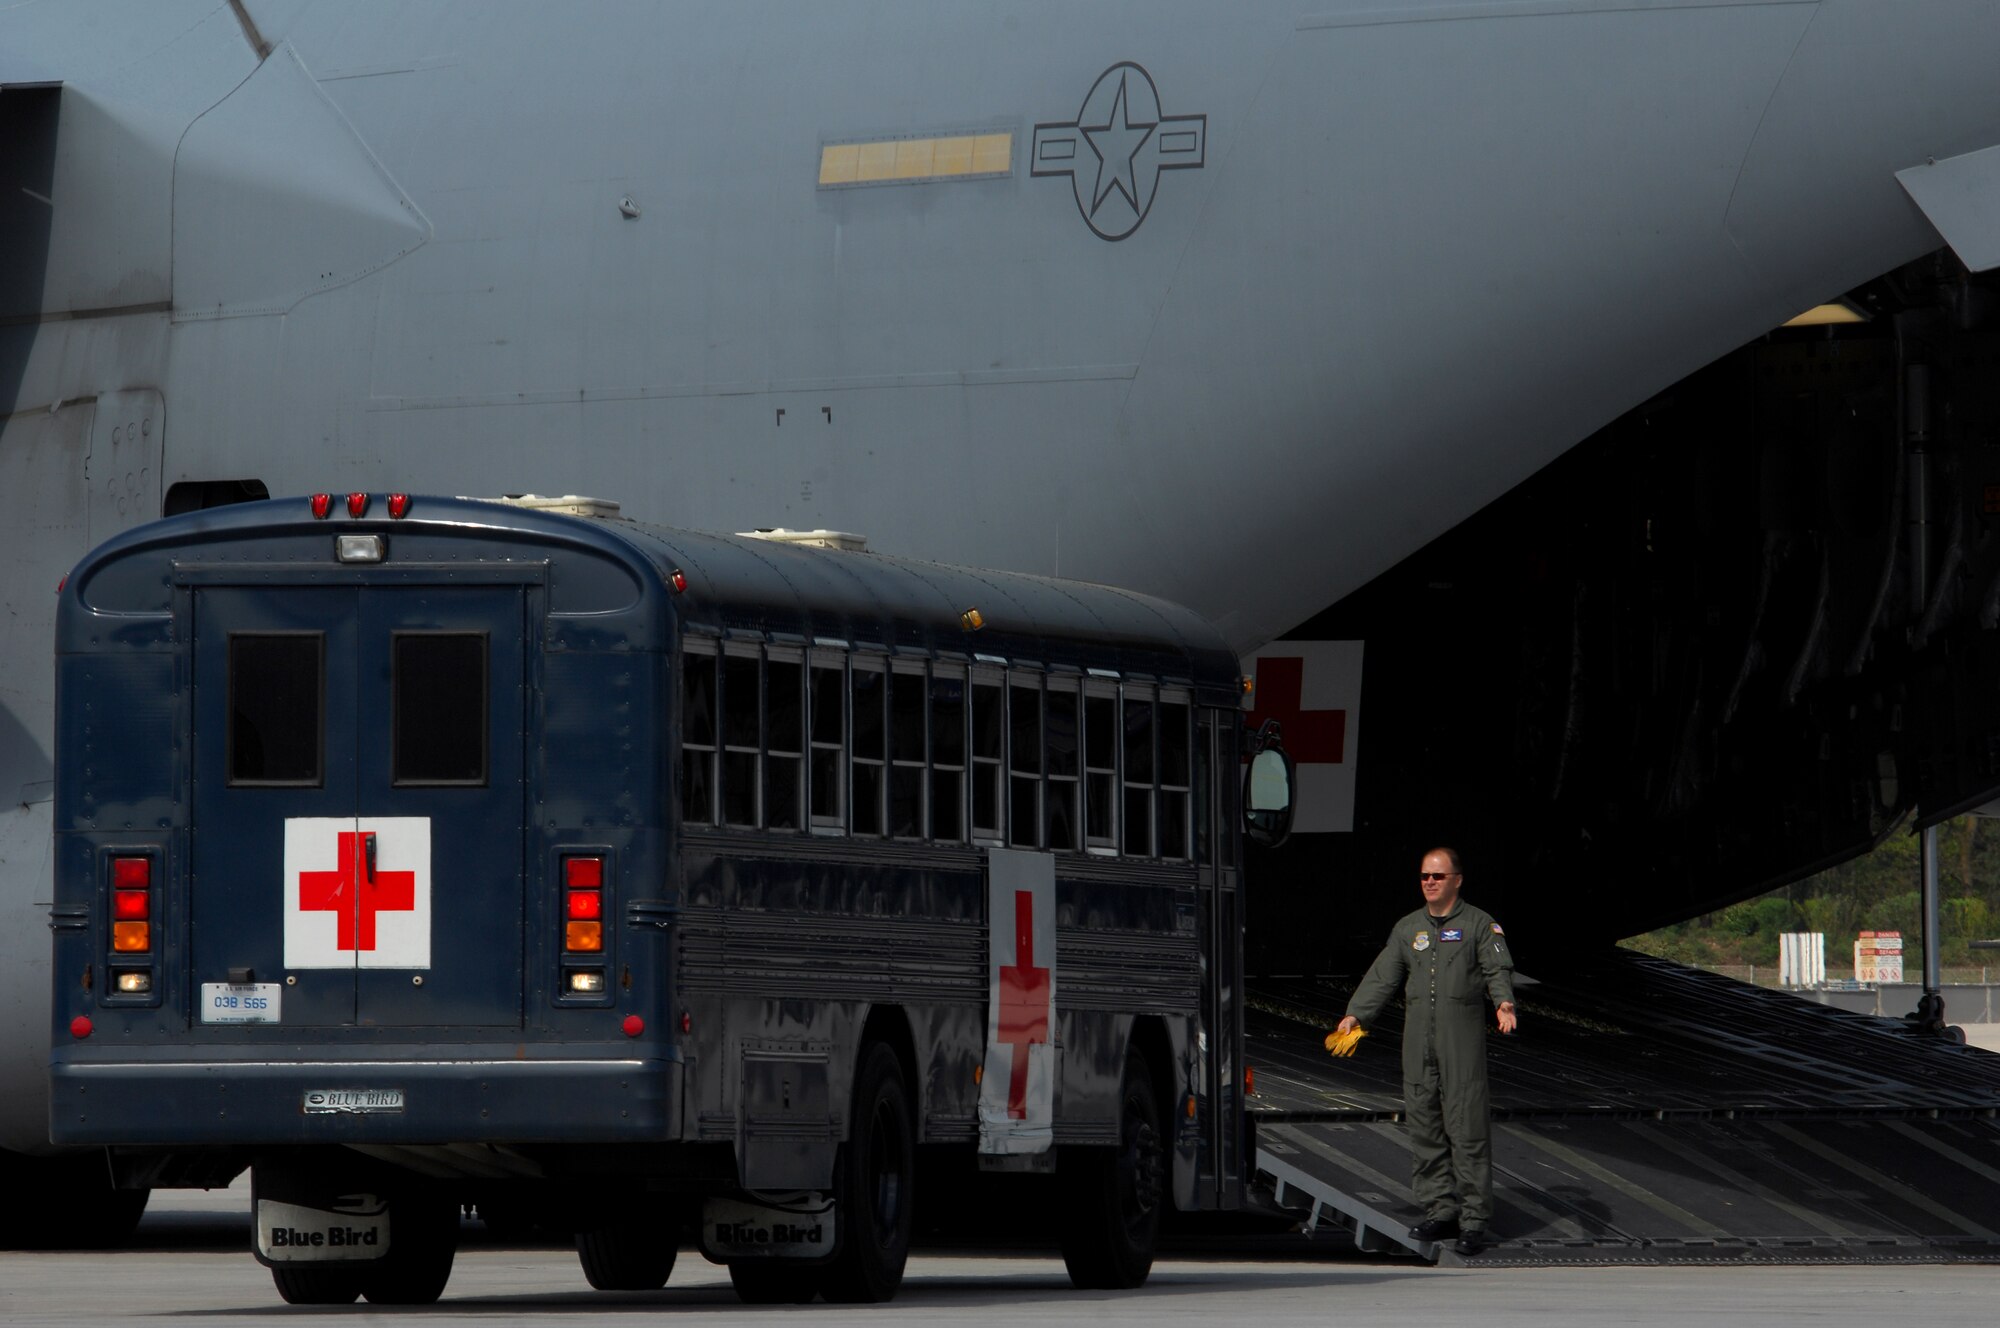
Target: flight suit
(1447, 968)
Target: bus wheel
(1113, 1197)
(423, 1238)
(305, 1284)
(773, 1281)
(627, 1258)
(872, 1185)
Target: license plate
(240, 1002)
(358, 1101)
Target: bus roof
(736, 587)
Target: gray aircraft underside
(1234, 303)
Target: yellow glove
(1343, 1044)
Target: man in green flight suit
(1447, 957)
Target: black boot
(1434, 1228)
(1471, 1241)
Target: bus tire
(307, 1284)
(1113, 1197)
(423, 1239)
(773, 1281)
(872, 1185)
(627, 1258)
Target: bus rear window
(439, 688)
(276, 709)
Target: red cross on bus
(374, 891)
(1024, 1004)
(1311, 736)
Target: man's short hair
(1457, 863)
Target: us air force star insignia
(1423, 941)
(1115, 149)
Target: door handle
(368, 853)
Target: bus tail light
(131, 905)
(130, 973)
(322, 503)
(583, 904)
(582, 915)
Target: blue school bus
(419, 852)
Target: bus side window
(1062, 763)
(1174, 779)
(742, 739)
(869, 750)
(697, 738)
(1138, 773)
(829, 742)
(1100, 767)
(906, 754)
(1024, 762)
(989, 744)
(1204, 807)
(947, 756)
(784, 740)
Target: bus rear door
(358, 804)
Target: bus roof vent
(570, 504)
(816, 539)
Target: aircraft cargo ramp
(1650, 1113)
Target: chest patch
(1451, 934)
(1422, 942)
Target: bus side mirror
(1267, 789)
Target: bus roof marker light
(972, 620)
(680, 581)
(357, 504)
(322, 504)
(399, 506)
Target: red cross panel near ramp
(1313, 690)
(348, 908)
(1017, 1084)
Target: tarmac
(190, 1264)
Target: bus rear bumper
(579, 1100)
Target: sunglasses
(1435, 876)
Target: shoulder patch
(1497, 931)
